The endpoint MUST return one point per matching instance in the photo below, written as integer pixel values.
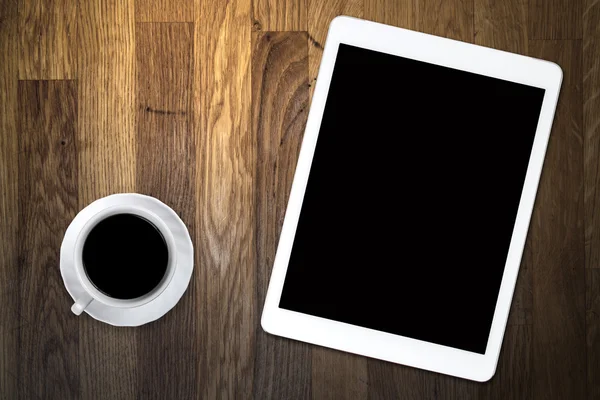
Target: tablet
(411, 198)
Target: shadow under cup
(125, 256)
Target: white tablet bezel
(382, 345)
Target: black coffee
(125, 256)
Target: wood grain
(591, 173)
(29, 34)
(389, 381)
(48, 336)
(164, 11)
(9, 199)
(48, 39)
(279, 15)
(448, 18)
(205, 109)
(106, 110)
(338, 375)
(593, 331)
(392, 12)
(591, 131)
(501, 24)
(557, 240)
(107, 361)
(166, 166)
(226, 255)
(107, 165)
(320, 15)
(279, 110)
(555, 19)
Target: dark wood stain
(557, 241)
(49, 337)
(203, 104)
(10, 319)
(163, 112)
(591, 132)
(389, 381)
(592, 295)
(315, 43)
(591, 176)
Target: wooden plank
(48, 36)
(107, 358)
(106, 117)
(591, 132)
(391, 381)
(49, 342)
(448, 18)
(106, 138)
(279, 15)
(555, 19)
(320, 14)
(166, 169)
(279, 111)
(29, 33)
(400, 13)
(338, 375)
(501, 24)
(164, 11)
(591, 173)
(9, 199)
(225, 248)
(557, 240)
(593, 331)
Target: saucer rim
(164, 302)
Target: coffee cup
(124, 256)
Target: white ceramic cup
(90, 292)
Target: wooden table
(203, 105)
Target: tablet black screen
(412, 198)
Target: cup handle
(81, 304)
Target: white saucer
(154, 309)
